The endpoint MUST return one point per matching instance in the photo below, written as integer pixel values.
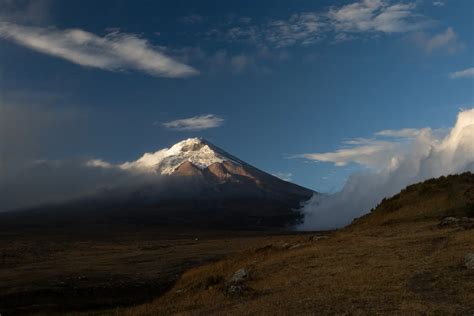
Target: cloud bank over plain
(412, 156)
(115, 51)
(27, 134)
(31, 177)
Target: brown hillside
(430, 200)
(397, 260)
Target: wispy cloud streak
(341, 23)
(115, 51)
(195, 123)
(466, 73)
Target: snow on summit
(165, 161)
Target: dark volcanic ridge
(192, 184)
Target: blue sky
(269, 82)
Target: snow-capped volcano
(197, 151)
(196, 183)
(210, 170)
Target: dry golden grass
(394, 261)
(407, 269)
(64, 272)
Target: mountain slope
(197, 151)
(434, 199)
(192, 184)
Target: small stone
(467, 223)
(239, 276)
(469, 260)
(449, 221)
(235, 289)
(316, 237)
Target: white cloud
(278, 33)
(466, 73)
(375, 153)
(225, 61)
(375, 16)
(99, 163)
(286, 176)
(370, 153)
(406, 132)
(446, 41)
(195, 123)
(303, 28)
(426, 156)
(438, 3)
(115, 51)
(341, 23)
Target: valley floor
(54, 271)
(400, 269)
(413, 254)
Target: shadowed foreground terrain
(402, 258)
(95, 269)
(397, 260)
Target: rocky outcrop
(469, 261)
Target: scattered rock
(239, 276)
(464, 222)
(469, 260)
(264, 248)
(316, 238)
(236, 286)
(449, 221)
(467, 223)
(235, 289)
(286, 245)
(295, 246)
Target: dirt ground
(72, 271)
(410, 269)
(401, 268)
(406, 257)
